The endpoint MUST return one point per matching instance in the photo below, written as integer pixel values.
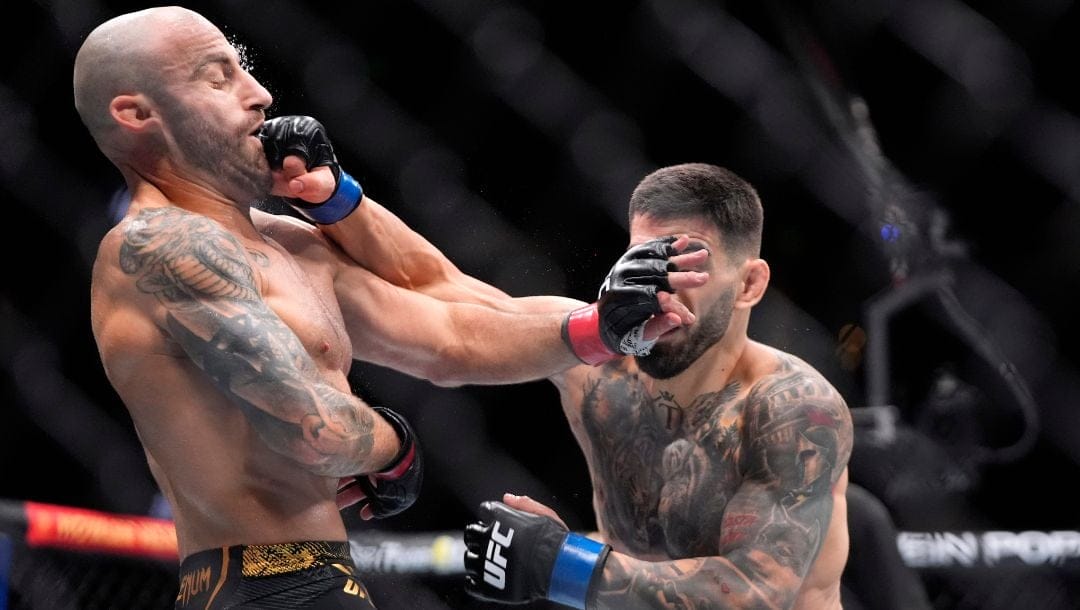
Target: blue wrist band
(345, 199)
(573, 570)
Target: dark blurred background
(919, 164)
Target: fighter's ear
(132, 112)
(755, 279)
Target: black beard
(668, 360)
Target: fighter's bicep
(393, 326)
(796, 443)
(766, 534)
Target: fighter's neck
(192, 197)
(724, 362)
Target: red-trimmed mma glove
(306, 137)
(394, 488)
(515, 557)
(614, 325)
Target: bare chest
(662, 471)
(301, 293)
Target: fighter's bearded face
(713, 303)
(672, 356)
(212, 108)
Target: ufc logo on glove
(495, 564)
(548, 561)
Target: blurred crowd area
(919, 164)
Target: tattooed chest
(662, 472)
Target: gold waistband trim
(273, 559)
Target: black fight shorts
(293, 575)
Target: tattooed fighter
(719, 464)
(228, 332)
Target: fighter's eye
(217, 75)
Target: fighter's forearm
(499, 347)
(382, 243)
(522, 553)
(260, 365)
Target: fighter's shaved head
(124, 56)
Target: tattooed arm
(211, 305)
(796, 442)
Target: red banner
(86, 530)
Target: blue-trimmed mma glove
(306, 137)
(515, 557)
(395, 487)
(614, 325)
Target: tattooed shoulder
(177, 255)
(793, 408)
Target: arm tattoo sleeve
(201, 274)
(796, 442)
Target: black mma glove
(515, 557)
(396, 487)
(615, 324)
(306, 137)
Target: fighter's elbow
(465, 364)
(443, 374)
(449, 382)
(450, 366)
